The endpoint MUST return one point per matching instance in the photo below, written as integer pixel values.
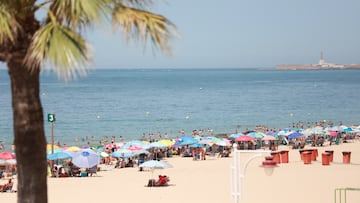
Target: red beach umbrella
(333, 133)
(7, 155)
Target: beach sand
(210, 181)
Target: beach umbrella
(119, 144)
(355, 130)
(348, 129)
(155, 164)
(206, 141)
(295, 135)
(4, 162)
(313, 131)
(111, 146)
(333, 133)
(85, 158)
(103, 154)
(122, 153)
(257, 135)
(187, 140)
(59, 155)
(49, 151)
(284, 133)
(222, 142)
(235, 135)
(272, 134)
(134, 143)
(167, 142)
(195, 145)
(49, 146)
(157, 145)
(138, 152)
(268, 138)
(334, 128)
(72, 149)
(135, 148)
(7, 155)
(244, 138)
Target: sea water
(133, 102)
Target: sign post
(51, 120)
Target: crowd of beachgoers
(197, 155)
(119, 153)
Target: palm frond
(80, 13)
(139, 4)
(141, 25)
(9, 27)
(61, 49)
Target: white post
(235, 173)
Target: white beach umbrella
(86, 158)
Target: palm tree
(27, 45)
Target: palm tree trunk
(30, 141)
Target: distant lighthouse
(322, 61)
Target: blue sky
(242, 34)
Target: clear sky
(243, 34)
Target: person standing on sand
(2, 147)
(143, 137)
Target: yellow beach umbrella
(166, 142)
(73, 149)
(48, 147)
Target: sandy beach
(210, 181)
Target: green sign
(51, 118)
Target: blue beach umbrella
(59, 155)
(187, 140)
(295, 135)
(195, 145)
(48, 152)
(257, 135)
(348, 129)
(235, 135)
(122, 153)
